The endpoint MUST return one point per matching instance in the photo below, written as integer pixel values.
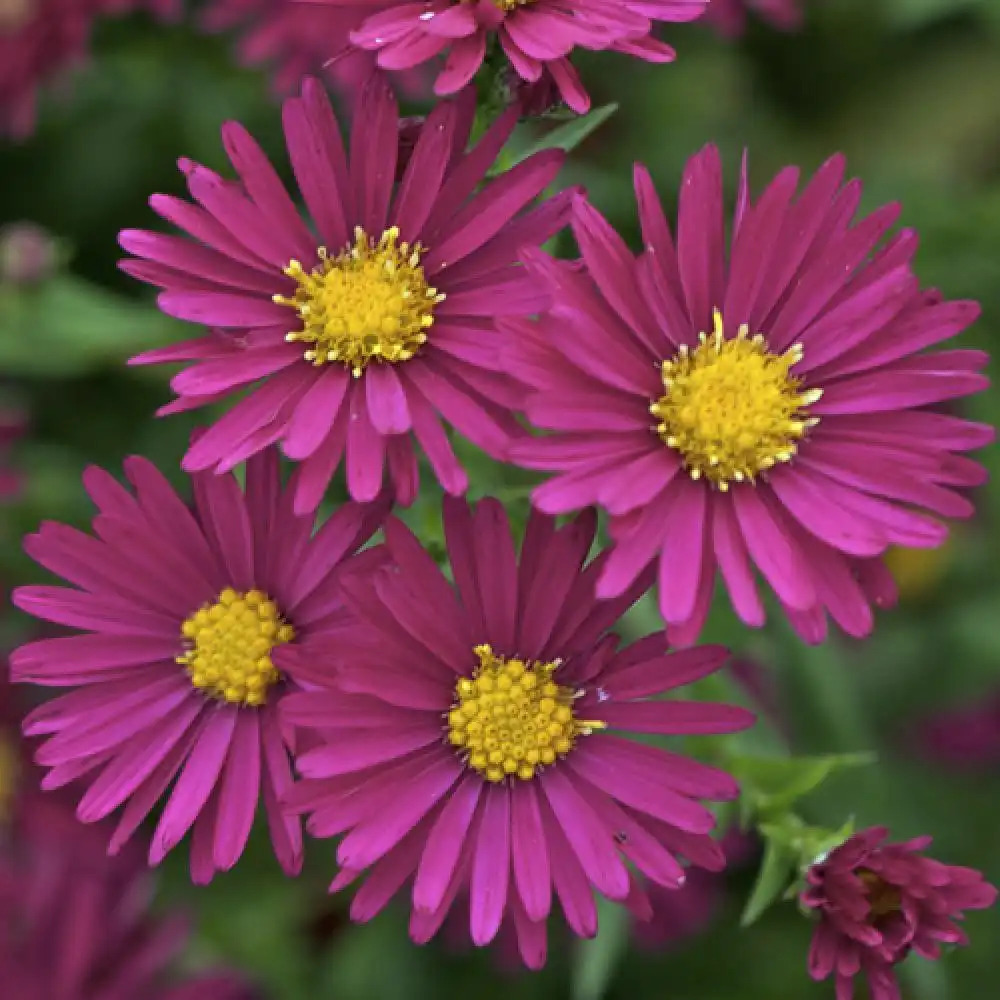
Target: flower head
(537, 36)
(353, 338)
(769, 408)
(42, 39)
(186, 613)
(469, 736)
(729, 17)
(294, 39)
(76, 924)
(877, 902)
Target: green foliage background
(910, 90)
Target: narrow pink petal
(529, 852)
(239, 792)
(490, 866)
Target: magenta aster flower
(730, 16)
(295, 39)
(40, 40)
(765, 407)
(877, 902)
(537, 36)
(75, 924)
(468, 737)
(370, 331)
(186, 613)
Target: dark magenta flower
(40, 40)
(357, 337)
(77, 925)
(473, 737)
(877, 902)
(762, 403)
(295, 39)
(184, 612)
(730, 16)
(537, 36)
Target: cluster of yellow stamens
(229, 646)
(509, 5)
(370, 302)
(732, 408)
(511, 718)
(883, 898)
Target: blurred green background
(910, 91)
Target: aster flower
(537, 36)
(75, 924)
(40, 40)
(769, 408)
(353, 339)
(178, 677)
(412, 762)
(877, 902)
(729, 17)
(293, 38)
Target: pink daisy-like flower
(76, 925)
(537, 36)
(468, 737)
(877, 902)
(354, 339)
(39, 40)
(729, 17)
(187, 612)
(295, 39)
(768, 407)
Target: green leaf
(596, 960)
(775, 873)
(68, 326)
(570, 135)
(772, 784)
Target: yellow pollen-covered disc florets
(229, 646)
(511, 718)
(732, 408)
(511, 5)
(370, 302)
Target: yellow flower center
(510, 5)
(229, 646)
(370, 302)
(883, 898)
(731, 407)
(510, 717)
(15, 14)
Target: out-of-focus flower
(769, 408)
(354, 338)
(186, 612)
(11, 428)
(964, 736)
(75, 924)
(686, 912)
(537, 36)
(471, 737)
(917, 572)
(28, 253)
(877, 902)
(729, 17)
(42, 39)
(294, 39)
